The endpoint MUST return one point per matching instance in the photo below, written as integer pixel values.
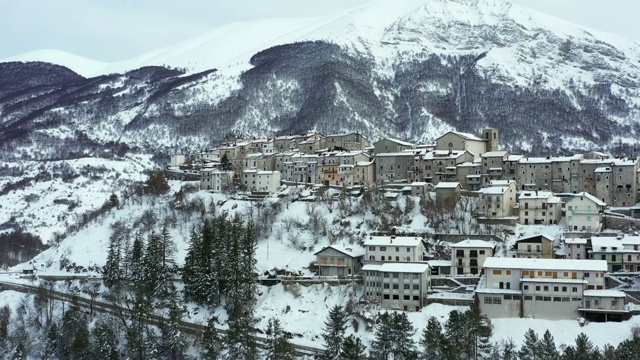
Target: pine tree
(111, 273)
(225, 163)
(432, 340)
(152, 265)
(240, 341)
(455, 334)
(211, 342)
(478, 332)
(113, 202)
(584, 347)
(106, 341)
(628, 349)
(172, 341)
(73, 342)
(547, 348)
(167, 264)
(140, 340)
(609, 352)
(394, 337)
(333, 332)
(135, 260)
(277, 345)
(530, 348)
(509, 351)
(20, 352)
(353, 349)
(51, 343)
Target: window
(382, 257)
(385, 286)
(396, 297)
(564, 289)
(385, 296)
(416, 287)
(546, 288)
(507, 297)
(397, 249)
(546, 298)
(383, 248)
(586, 274)
(481, 252)
(614, 302)
(528, 298)
(372, 248)
(525, 273)
(613, 259)
(397, 258)
(537, 287)
(416, 276)
(565, 274)
(406, 286)
(557, 299)
(488, 300)
(406, 297)
(408, 249)
(526, 287)
(497, 272)
(547, 273)
(556, 289)
(596, 302)
(508, 272)
(565, 299)
(539, 298)
(372, 258)
(497, 300)
(416, 298)
(540, 273)
(396, 275)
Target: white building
(498, 200)
(381, 249)
(401, 286)
(257, 180)
(548, 289)
(575, 248)
(584, 213)
(468, 256)
(177, 160)
(215, 180)
(539, 208)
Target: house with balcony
(539, 208)
(498, 200)
(584, 213)
(492, 163)
(468, 256)
(548, 289)
(335, 260)
(535, 247)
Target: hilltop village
(541, 276)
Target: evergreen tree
(111, 273)
(509, 351)
(51, 343)
(277, 345)
(134, 262)
(73, 342)
(106, 341)
(478, 332)
(455, 334)
(628, 349)
(352, 349)
(113, 202)
(20, 352)
(5, 318)
(609, 352)
(530, 348)
(167, 264)
(333, 332)
(172, 341)
(225, 163)
(211, 342)
(547, 348)
(152, 265)
(240, 341)
(140, 338)
(584, 347)
(432, 340)
(394, 337)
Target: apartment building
(447, 194)
(548, 289)
(350, 141)
(330, 169)
(492, 163)
(534, 173)
(439, 165)
(620, 253)
(364, 173)
(215, 180)
(468, 256)
(380, 249)
(469, 175)
(258, 180)
(584, 212)
(395, 166)
(565, 172)
(539, 208)
(401, 286)
(575, 248)
(498, 200)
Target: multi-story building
(330, 162)
(364, 173)
(215, 180)
(575, 248)
(468, 256)
(469, 175)
(393, 248)
(492, 163)
(401, 286)
(257, 180)
(548, 289)
(389, 145)
(564, 174)
(439, 165)
(349, 142)
(312, 143)
(539, 208)
(584, 213)
(498, 200)
(395, 166)
(620, 253)
(335, 260)
(534, 173)
(447, 194)
(286, 143)
(535, 247)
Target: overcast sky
(112, 30)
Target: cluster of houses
(531, 282)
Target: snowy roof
(464, 135)
(608, 243)
(522, 239)
(357, 252)
(535, 195)
(602, 170)
(545, 264)
(469, 164)
(495, 154)
(404, 267)
(373, 267)
(515, 157)
(447, 185)
(439, 263)
(588, 196)
(605, 293)
(535, 160)
(365, 163)
(576, 241)
(443, 154)
(400, 142)
(473, 244)
(389, 241)
(418, 183)
(552, 280)
(401, 153)
(493, 190)
(501, 182)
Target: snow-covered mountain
(410, 70)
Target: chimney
(393, 236)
